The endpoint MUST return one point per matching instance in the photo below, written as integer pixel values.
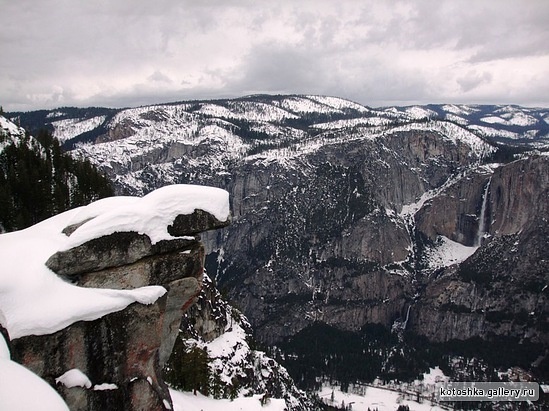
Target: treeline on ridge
(39, 180)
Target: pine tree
(188, 368)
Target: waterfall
(399, 325)
(407, 316)
(482, 218)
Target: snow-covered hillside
(181, 121)
(212, 135)
(9, 132)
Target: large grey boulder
(126, 349)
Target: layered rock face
(324, 241)
(123, 353)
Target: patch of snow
(493, 120)
(411, 209)
(299, 104)
(354, 122)
(4, 350)
(256, 111)
(22, 390)
(74, 378)
(492, 132)
(460, 110)
(435, 376)
(516, 116)
(228, 351)
(153, 213)
(447, 252)
(8, 127)
(105, 387)
(456, 119)
(99, 207)
(64, 130)
(9, 132)
(382, 398)
(216, 110)
(339, 103)
(418, 113)
(54, 114)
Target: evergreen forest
(39, 180)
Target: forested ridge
(39, 180)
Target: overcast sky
(121, 53)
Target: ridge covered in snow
(9, 132)
(211, 134)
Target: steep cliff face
(120, 352)
(323, 239)
(455, 211)
(518, 196)
(501, 290)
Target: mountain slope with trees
(38, 180)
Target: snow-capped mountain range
(500, 122)
(265, 128)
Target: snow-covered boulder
(111, 304)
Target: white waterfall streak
(482, 218)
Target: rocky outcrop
(215, 328)
(122, 353)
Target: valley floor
(375, 398)
(187, 401)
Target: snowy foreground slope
(18, 382)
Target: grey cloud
(472, 80)
(159, 77)
(135, 52)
